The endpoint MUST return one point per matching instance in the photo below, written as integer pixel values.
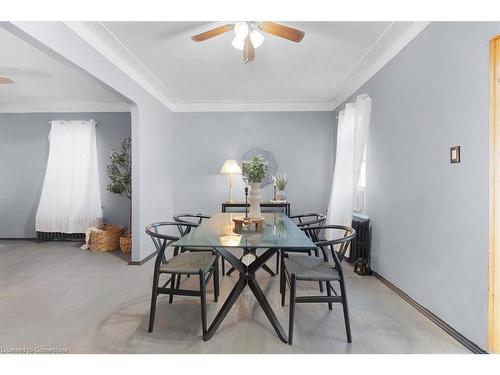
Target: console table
(284, 205)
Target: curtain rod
(360, 96)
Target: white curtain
(352, 133)
(71, 198)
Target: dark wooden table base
(247, 251)
(247, 277)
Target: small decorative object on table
(280, 182)
(120, 175)
(243, 223)
(246, 202)
(254, 171)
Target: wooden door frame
(494, 200)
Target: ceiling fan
(248, 35)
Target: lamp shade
(230, 167)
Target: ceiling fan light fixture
(257, 38)
(238, 43)
(241, 30)
(250, 34)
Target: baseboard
(139, 263)
(474, 348)
(18, 239)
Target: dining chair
(203, 264)
(328, 269)
(190, 218)
(304, 221)
(196, 220)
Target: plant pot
(126, 243)
(254, 197)
(281, 195)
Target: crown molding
(382, 51)
(254, 106)
(60, 107)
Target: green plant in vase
(254, 171)
(120, 176)
(281, 181)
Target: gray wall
(151, 122)
(24, 150)
(430, 217)
(303, 144)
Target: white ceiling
(330, 63)
(333, 60)
(44, 84)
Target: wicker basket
(107, 238)
(126, 243)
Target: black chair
(203, 264)
(297, 267)
(304, 221)
(190, 218)
(196, 220)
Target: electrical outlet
(455, 154)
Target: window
(360, 198)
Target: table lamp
(230, 167)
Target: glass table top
(218, 231)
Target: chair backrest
(162, 237)
(336, 247)
(194, 219)
(305, 221)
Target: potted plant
(120, 175)
(254, 171)
(281, 180)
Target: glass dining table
(217, 233)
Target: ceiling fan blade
(212, 33)
(25, 73)
(5, 80)
(282, 31)
(248, 51)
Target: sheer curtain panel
(352, 133)
(71, 198)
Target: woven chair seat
(189, 263)
(310, 268)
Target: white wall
(151, 124)
(303, 144)
(430, 217)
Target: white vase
(254, 198)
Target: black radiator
(360, 250)
(58, 236)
